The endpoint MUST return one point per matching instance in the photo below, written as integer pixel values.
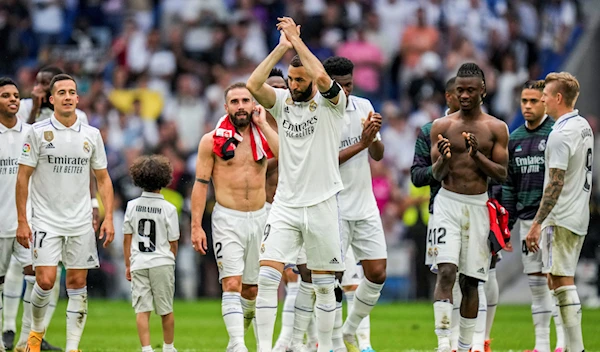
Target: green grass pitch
(394, 327)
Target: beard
(301, 96)
(240, 119)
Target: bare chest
(484, 135)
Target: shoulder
(90, 131)
(206, 142)
(443, 123)
(361, 103)
(169, 207)
(41, 126)
(26, 127)
(497, 125)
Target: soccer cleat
(75, 351)
(350, 342)
(559, 349)
(279, 347)
(368, 349)
(487, 346)
(297, 347)
(531, 351)
(46, 346)
(9, 339)
(34, 341)
(237, 348)
(20, 348)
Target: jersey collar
(18, 127)
(567, 116)
(59, 126)
(152, 195)
(350, 106)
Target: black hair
(151, 173)
(61, 77)
(470, 69)
(275, 72)
(338, 66)
(450, 85)
(5, 81)
(535, 84)
(296, 62)
(52, 69)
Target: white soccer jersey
(60, 185)
(570, 147)
(153, 223)
(309, 136)
(357, 200)
(45, 113)
(11, 143)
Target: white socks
(233, 316)
(325, 309)
(147, 349)
(168, 347)
(266, 306)
(76, 316)
(491, 294)
(541, 311)
(337, 336)
(40, 299)
(13, 284)
(249, 311)
(53, 299)
(26, 319)
(570, 311)
(456, 299)
(1, 289)
(479, 334)
(465, 334)
(287, 316)
(442, 313)
(560, 331)
(365, 298)
(303, 311)
(363, 332)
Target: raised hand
(259, 115)
(443, 145)
(283, 40)
(471, 142)
(289, 27)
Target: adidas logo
(355, 276)
(481, 271)
(50, 146)
(334, 261)
(90, 259)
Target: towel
(226, 139)
(499, 233)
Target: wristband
(333, 91)
(95, 203)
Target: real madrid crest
(86, 147)
(220, 265)
(48, 136)
(542, 145)
(312, 106)
(289, 101)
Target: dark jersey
(421, 174)
(522, 192)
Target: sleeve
(31, 150)
(281, 96)
(98, 159)
(509, 198)
(127, 227)
(173, 225)
(83, 117)
(340, 107)
(558, 150)
(421, 173)
(25, 109)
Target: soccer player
(361, 223)
(61, 151)
(524, 186)
(239, 217)
(152, 226)
(12, 135)
(309, 119)
(563, 216)
(33, 110)
(471, 147)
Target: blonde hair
(567, 85)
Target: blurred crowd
(151, 76)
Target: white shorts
(532, 262)
(75, 252)
(316, 226)
(560, 251)
(301, 260)
(354, 270)
(10, 247)
(236, 240)
(430, 248)
(460, 233)
(366, 238)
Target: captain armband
(333, 91)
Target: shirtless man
(471, 147)
(239, 217)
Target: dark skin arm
(369, 132)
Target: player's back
(153, 223)
(571, 148)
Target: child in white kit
(151, 230)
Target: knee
(45, 282)
(249, 292)
(305, 273)
(232, 284)
(290, 275)
(468, 285)
(377, 276)
(446, 276)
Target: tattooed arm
(551, 194)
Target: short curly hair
(338, 66)
(151, 172)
